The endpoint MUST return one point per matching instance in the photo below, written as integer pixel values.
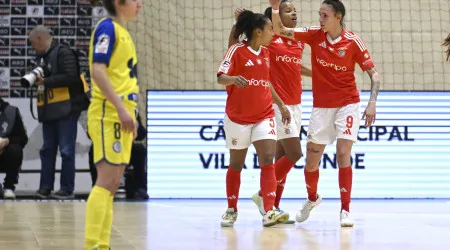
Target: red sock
(233, 181)
(311, 179)
(282, 167)
(280, 189)
(345, 187)
(268, 184)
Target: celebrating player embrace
(334, 52)
(286, 72)
(249, 113)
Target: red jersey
(252, 104)
(285, 67)
(333, 66)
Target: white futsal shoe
(275, 216)
(258, 200)
(228, 218)
(346, 221)
(303, 214)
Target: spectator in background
(13, 138)
(136, 173)
(61, 98)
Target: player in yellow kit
(111, 114)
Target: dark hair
(109, 6)
(338, 7)
(247, 22)
(268, 11)
(447, 43)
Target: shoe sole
(318, 201)
(254, 198)
(226, 225)
(280, 220)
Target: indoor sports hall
(400, 198)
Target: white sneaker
(9, 194)
(275, 216)
(303, 214)
(346, 221)
(228, 218)
(258, 200)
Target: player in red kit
(249, 113)
(335, 114)
(286, 72)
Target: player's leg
(347, 126)
(288, 151)
(110, 147)
(264, 141)
(289, 138)
(237, 141)
(320, 133)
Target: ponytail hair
(247, 22)
(447, 43)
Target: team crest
(287, 131)
(258, 61)
(341, 52)
(300, 45)
(117, 147)
(233, 141)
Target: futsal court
(195, 224)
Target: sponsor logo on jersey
(331, 65)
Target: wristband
(275, 11)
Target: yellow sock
(96, 210)
(107, 224)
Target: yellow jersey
(112, 45)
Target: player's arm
(306, 71)
(375, 84)
(363, 58)
(226, 74)
(285, 114)
(231, 39)
(104, 41)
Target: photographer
(135, 178)
(61, 98)
(13, 138)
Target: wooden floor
(195, 224)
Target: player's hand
(126, 121)
(285, 115)
(240, 81)
(370, 114)
(237, 12)
(275, 4)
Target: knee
(343, 152)
(14, 153)
(67, 151)
(294, 156)
(265, 158)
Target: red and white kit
(336, 97)
(285, 67)
(249, 112)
